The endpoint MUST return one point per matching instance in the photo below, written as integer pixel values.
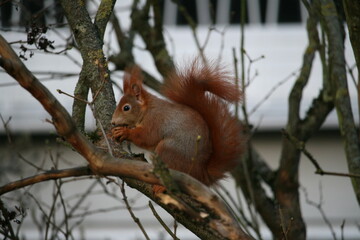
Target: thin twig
(175, 227)
(128, 207)
(7, 222)
(251, 62)
(6, 127)
(242, 219)
(97, 211)
(193, 26)
(162, 222)
(30, 163)
(242, 54)
(74, 97)
(46, 215)
(58, 184)
(110, 151)
(351, 73)
(271, 91)
(222, 42)
(301, 146)
(77, 205)
(319, 207)
(342, 229)
(236, 79)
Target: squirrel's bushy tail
(208, 90)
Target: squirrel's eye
(126, 107)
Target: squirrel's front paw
(120, 133)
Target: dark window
(213, 7)
(6, 11)
(289, 11)
(263, 5)
(190, 8)
(236, 11)
(30, 13)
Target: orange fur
(199, 107)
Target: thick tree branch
(287, 179)
(338, 80)
(82, 87)
(94, 73)
(79, 107)
(352, 9)
(103, 15)
(286, 184)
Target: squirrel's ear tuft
(132, 77)
(126, 83)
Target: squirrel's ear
(136, 90)
(136, 82)
(132, 77)
(126, 82)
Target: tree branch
(103, 15)
(287, 179)
(338, 80)
(193, 26)
(301, 146)
(90, 43)
(352, 9)
(45, 176)
(152, 36)
(163, 224)
(125, 57)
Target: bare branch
(94, 66)
(301, 146)
(45, 176)
(193, 26)
(103, 15)
(334, 31)
(128, 207)
(152, 36)
(163, 224)
(5, 124)
(319, 207)
(271, 91)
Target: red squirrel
(193, 131)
